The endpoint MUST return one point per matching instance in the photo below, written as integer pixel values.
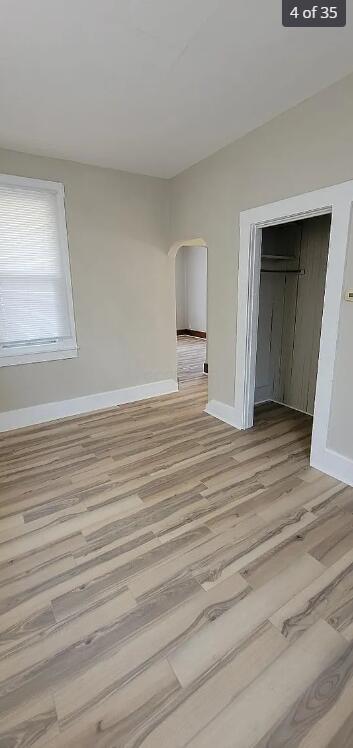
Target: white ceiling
(152, 86)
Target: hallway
(191, 356)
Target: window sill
(16, 359)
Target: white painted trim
(297, 410)
(278, 402)
(66, 261)
(334, 464)
(35, 358)
(31, 182)
(336, 200)
(15, 419)
(26, 354)
(223, 412)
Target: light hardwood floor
(191, 356)
(168, 581)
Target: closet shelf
(278, 257)
(284, 271)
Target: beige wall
(117, 229)
(123, 280)
(306, 148)
(191, 288)
(180, 289)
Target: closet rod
(298, 272)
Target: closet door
(269, 336)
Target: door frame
(336, 200)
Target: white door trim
(336, 200)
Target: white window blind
(35, 294)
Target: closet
(292, 286)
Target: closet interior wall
(292, 287)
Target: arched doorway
(190, 288)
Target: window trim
(62, 349)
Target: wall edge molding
(53, 411)
(222, 411)
(332, 463)
(328, 461)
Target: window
(36, 309)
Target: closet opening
(191, 314)
(291, 299)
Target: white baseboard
(329, 461)
(284, 405)
(223, 412)
(16, 419)
(333, 464)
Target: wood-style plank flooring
(191, 356)
(168, 581)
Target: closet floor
(166, 580)
(259, 409)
